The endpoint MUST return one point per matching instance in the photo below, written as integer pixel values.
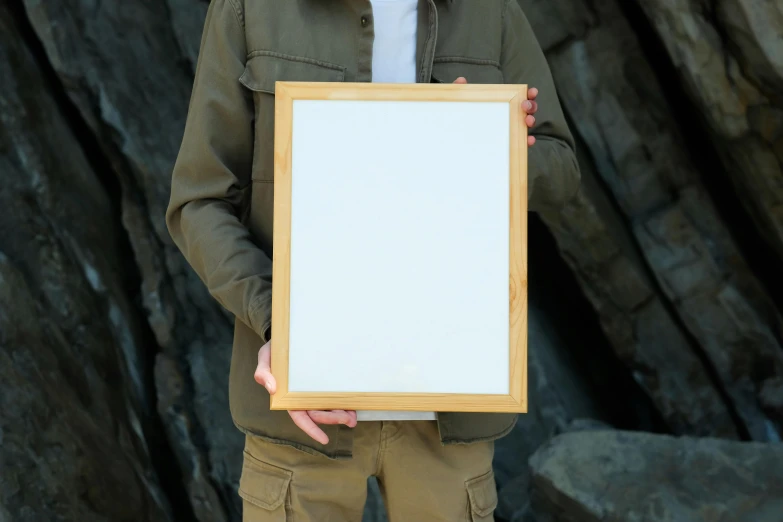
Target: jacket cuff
(260, 317)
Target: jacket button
(365, 21)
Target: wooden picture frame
(481, 102)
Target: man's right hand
(307, 421)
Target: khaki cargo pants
(421, 480)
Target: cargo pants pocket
(482, 498)
(265, 491)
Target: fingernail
(528, 105)
(268, 387)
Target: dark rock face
(374, 510)
(613, 97)
(76, 408)
(611, 475)
(731, 65)
(71, 449)
(654, 301)
(128, 75)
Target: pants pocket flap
(482, 494)
(263, 484)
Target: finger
(531, 140)
(263, 374)
(461, 79)
(532, 93)
(308, 426)
(334, 417)
(530, 107)
(530, 120)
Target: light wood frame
(514, 95)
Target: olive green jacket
(220, 211)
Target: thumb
(461, 80)
(263, 375)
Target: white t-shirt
(394, 61)
(394, 49)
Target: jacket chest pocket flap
(446, 70)
(262, 70)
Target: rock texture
(616, 105)
(71, 447)
(634, 315)
(76, 419)
(374, 510)
(608, 475)
(187, 20)
(128, 75)
(729, 54)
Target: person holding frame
(314, 465)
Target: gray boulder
(619, 476)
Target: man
(313, 466)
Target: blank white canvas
(399, 247)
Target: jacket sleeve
(212, 175)
(553, 171)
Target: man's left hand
(529, 106)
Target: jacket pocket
(446, 70)
(482, 497)
(264, 489)
(262, 70)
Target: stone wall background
(656, 369)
